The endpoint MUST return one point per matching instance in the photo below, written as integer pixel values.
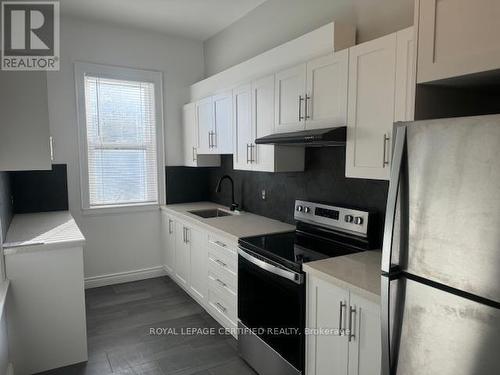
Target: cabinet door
(24, 133)
(242, 128)
(326, 101)
(182, 254)
(205, 120)
(222, 140)
(404, 107)
(372, 71)
(190, 134)
(290, 99)
(326, 309)
(263, 123)
(365, 341)
(168, 230)
(457, 37)
(199, 255)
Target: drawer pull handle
(221, 282)
(221, 244)
(221, 262)
(220, 307)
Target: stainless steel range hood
(309, 138)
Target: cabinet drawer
(223, 309)
(222, 286)
(222, 255)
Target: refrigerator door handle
(385, 295)
(390, 214)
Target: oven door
(271, 302)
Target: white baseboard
(123, 277)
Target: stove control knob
(307, 210)
(358, 220)
(300, 208)
(348, 218)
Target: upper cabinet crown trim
(329, 38)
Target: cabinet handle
(221, 244)
(170, 231)
(387, 138)
(184, 234)
(252, 147)
(221, 262)
(220, 307)
(306, 108)
(352, 311)
(187, 234)
(301, 99)
(210, 145)
(341, 313)
(248, 159)
(214, 139)
(194, 154)
(221, 282)
(51, 146)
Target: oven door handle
(296, 277)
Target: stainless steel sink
(214, 212)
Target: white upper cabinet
(24, 123)
(326, 93)
(457, 37)
(243, 129)
(254, 118)
(263, 156)
(205, 122)
(289, 99)
(214, 116)
(312, 95)
(222, 138)
(191, 141)
(381, 91)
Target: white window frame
(126, 74)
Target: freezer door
(449, 197)
(442, 333)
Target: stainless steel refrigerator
(441, 251)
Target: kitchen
(196, 167)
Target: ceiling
(195, 19)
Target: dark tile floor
(119, 318)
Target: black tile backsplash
(5, 203)
(323, 180)
(185, 184)
(40, 191)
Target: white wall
(278, 21)
(119, 242)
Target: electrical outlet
(263, 194)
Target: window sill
(112, 210)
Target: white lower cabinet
(357, 350)
(198, 265)
(204, 265)
(168, 242)
(182, 254)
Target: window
(121, 148)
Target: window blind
(121, 142)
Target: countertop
(243, 224)
(42, 231)
(359, 273)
